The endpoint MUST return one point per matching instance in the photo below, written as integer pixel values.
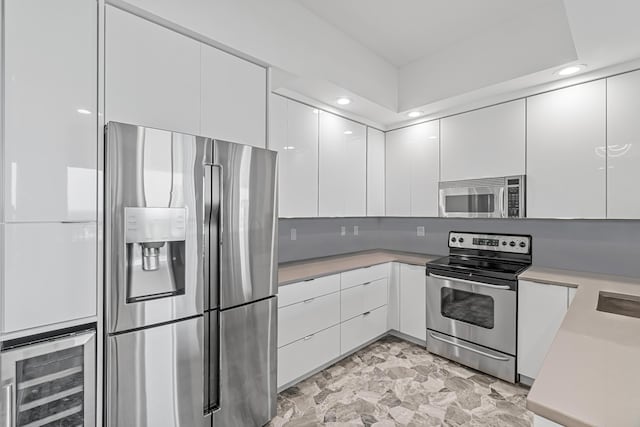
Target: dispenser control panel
(145, 225)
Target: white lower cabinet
(307, 317)
(413, 301)
(363, 328)
(541, 309)
(49, 274)
(362, 298)
(309, 353)
(539, 421)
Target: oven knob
(504, 243)
(461, 240)
(523, 244)
(453, 239)
(512, 243)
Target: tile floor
(396, 383)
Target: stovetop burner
(486, 255)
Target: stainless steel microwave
(501, 197)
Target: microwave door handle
(501, 198)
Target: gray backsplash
(610, 247)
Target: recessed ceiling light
(343, 100)
(83, 111)
(289, 147)
(414, 114)
(348, 132)
(572, 69)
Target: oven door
(481, 313)
(471, 201)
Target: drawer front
(301, 291)
(363, 328)
(364, 275)
(307, 354)
(362, 298)
(304, 318)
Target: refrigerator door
(155, 376)
(248, 365)
(154, 225)
(248, 223)
(50, 382)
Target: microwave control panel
(515, 196)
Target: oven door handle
(471, 282)
(482, 353)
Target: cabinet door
(412, 172)
(50, 274)
(623, 146)
(413, 301)
(234, 98)
(484, 143)
(50, 140)
(541, 309)
(566, 153)
(343, 167)
(375, 172)
(152, 75)
(425, 169)
(294, 135)
(398, 174)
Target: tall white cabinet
(566, 154)
(623, 146)
(294, 135)
(49, 163)
(342, 189)
(484, 143)
(412, 170)
(375, 172)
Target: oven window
(468, 307)
(470, 203)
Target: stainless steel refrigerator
(190, 280)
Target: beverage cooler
(48, 381)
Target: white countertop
(591, 374)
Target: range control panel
(518, 244)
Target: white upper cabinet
(152, 75)
(412, 170)
(50, 138)
(294, 134)
(485, 143)
(343, 167)
(234, 98)
(623, 146)
(375, 172)
(566, 131)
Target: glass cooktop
(480, 266)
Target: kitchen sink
(622, 304)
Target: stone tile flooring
(396, 383)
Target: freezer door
(248, 225)
(248, 365)
(155, 376)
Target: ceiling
(403, 31)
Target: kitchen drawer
(363, 328)
(307, 354)
(302, 291)
(364, 275)
(362, 298)
(304, 318)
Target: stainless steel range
(472, 298)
